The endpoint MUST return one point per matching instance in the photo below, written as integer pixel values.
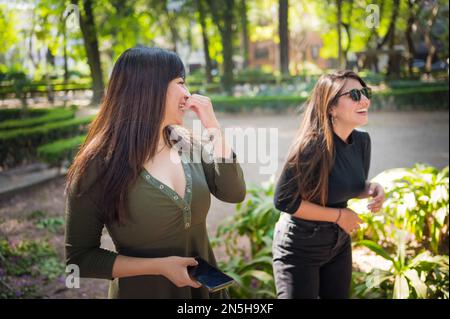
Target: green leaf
(377, 249)
(260, 275)
(401, 287)
(418, 285)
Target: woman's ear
(332, 112)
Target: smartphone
(209, 276)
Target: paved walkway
(399, 139)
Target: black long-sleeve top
(346, 180)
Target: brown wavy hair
(126, 131)
(312, 153)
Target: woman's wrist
(155, 266)
(339, 216)
(213, 125)
(365, 193)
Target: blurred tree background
(74, 43)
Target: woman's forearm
(125, 266)
(311, 211)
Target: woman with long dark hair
(327, 165)
(135, 175)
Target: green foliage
(58, 114)
(30, 262)
(39, 87)
(37, 214)
(10, 114)
(253, 222)
(258, 76)
(241, 104)
(410, 276)
(60, 151)
(433, 97)
(8, 36)
(411, 232)
(424, 97)
(52, 224)
(19, 145)
(18, 82)
(417, 202)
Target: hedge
(418, 98)
(424, 98)
(19, 145)
(60, 151)
(242, 104)
(10, 114)
(55, 115)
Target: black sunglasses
(355, 94)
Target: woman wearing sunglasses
(327, 165)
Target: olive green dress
(161, 224)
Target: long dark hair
(125, 133)
(312, 154)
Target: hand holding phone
(209, 276)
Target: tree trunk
(283, 33)
(208, 64)
(393, 63)
(222, 12)
(245, 39)
(227, 45)
(408, 36)
(171, 16)
(348, 30)
(66, 67)
(87, 25)
(372, 61)
(431, 48)
(338, 26)
(49, 64)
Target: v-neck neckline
(169, 191)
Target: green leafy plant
(26, 265)
(52, 224)
(61, 151)
(20, 145)
(416, 201)
(36, 215)
(252, 225)
(55, 115)
(410, 275)
(410, 232)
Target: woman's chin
(180, 120)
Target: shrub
(425, 98)
(10, 114)
(411, 233)
(21, 144)
(55, 115)
(253, 222)
(242, 104)
(31, 263)
(60, 151)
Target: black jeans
(311, 259)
